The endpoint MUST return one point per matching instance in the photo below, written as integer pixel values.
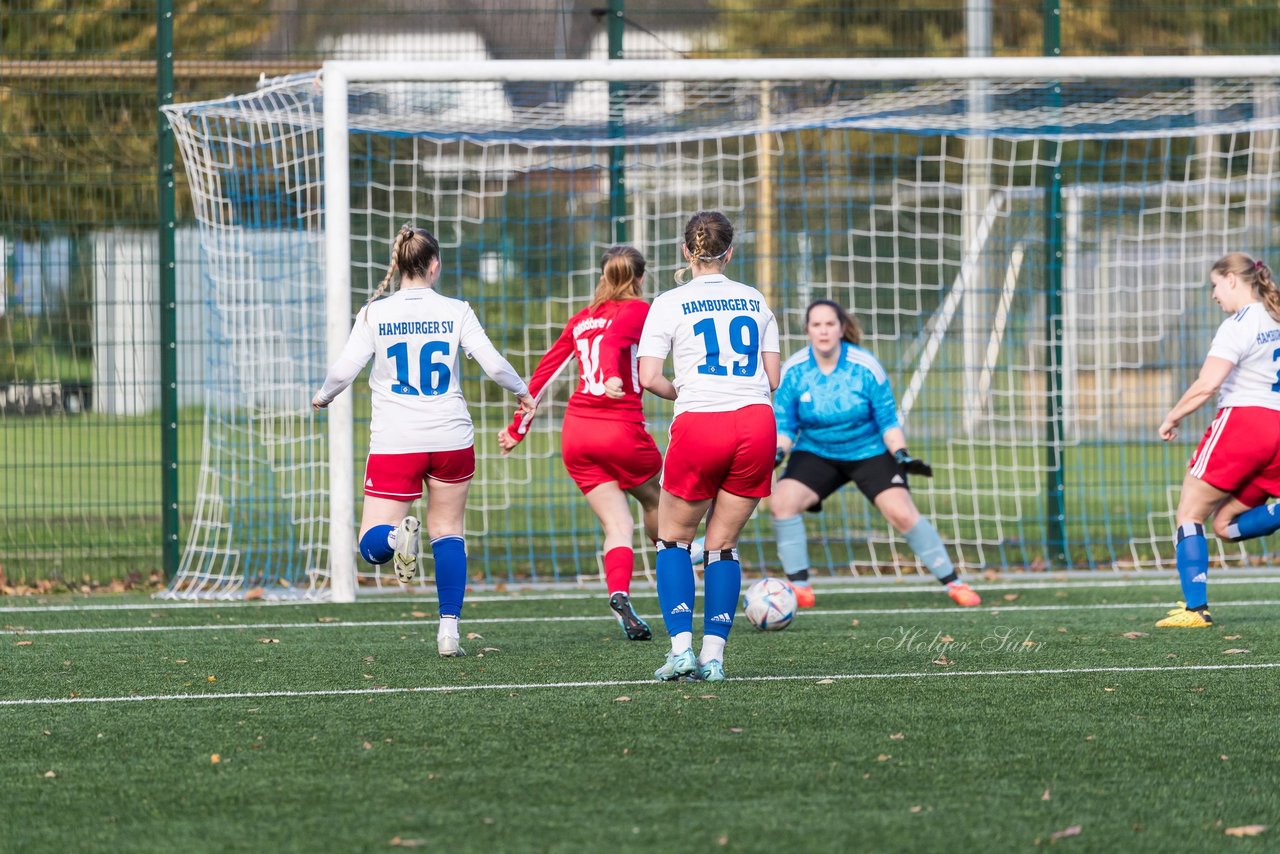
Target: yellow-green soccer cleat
(1184, 619)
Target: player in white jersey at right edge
(1237, 464)
(724, 342)
(420, 428)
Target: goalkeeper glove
(778, 456)
(911, 465)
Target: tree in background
(933, 28)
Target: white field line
(922, 585)
(994, 610)
(620, 683)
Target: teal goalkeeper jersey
(841, 415)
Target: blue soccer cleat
(677, 665)
(712, 671)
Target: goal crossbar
(692, 70)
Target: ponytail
(1255, 273)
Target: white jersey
(1250, 340)
(716, 329)
(416, 338)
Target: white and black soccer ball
(770, 604)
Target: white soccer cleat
(448, 647)
(405, 559)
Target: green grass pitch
(884, 720)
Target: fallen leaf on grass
(1246, 830)
(1073, 830)
(211, 679)
(723, 840)
(24, 643)
(489, 649)
(1011, 597)
(897, 736)
(709, 697)
(1045, 796)
(255, 593)
(855, 623)
(326, 619)
(735, 729)
(622, 699)
(419, 614)
(883, 757)
(942, 661)
(1223, 757)
(947, 639)
(50, 775)
(916, 808)
(1231, 637)
(268, 640)
(215, 759)
(1234, 651)
(368, 746)
(826, 681)
(474, 636)
(407, 843)
(1132, 635)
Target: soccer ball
(770, 604)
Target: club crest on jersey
(806, 398)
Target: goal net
(1024, 242)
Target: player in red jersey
(604, 444)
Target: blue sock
(1257, 522)
(375, 545)
(675, 587)
(793, 548)
(927, 545)
(450, 554)
(723, 586)
(1193, 564)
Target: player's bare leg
(389, 533)
(611, 507)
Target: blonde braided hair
(708, 235)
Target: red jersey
(604, 341)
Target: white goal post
(928, 238)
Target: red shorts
(400, 476)
(710, 451)
(597, 451)
(1240, 454)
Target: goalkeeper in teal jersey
(838, 421)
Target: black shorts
(824, 476)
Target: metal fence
(100, 359)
